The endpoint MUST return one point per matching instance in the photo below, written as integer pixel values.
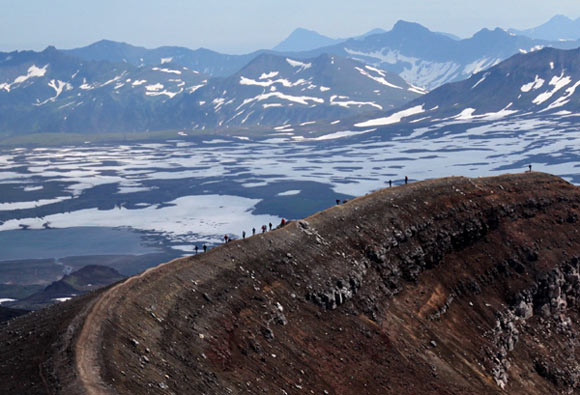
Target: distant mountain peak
(302, 39)
(406, 26)
(559, 27)
(560, 18)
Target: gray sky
(238, 26)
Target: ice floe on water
(289, 193)
(194, 189)
(36, 203)
(202, 214)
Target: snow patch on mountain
(347, 103)
(300, 65)
(466, 114)
(537, 83)
(480, 65)
(393, 118)
(193, 88)
(32, 72)
(294, 99)
(564, 99)
(485, 75)
(59, 87)
(558, 83)
(380, 80)
(166, 70)
(271, 74)
(416, 71)
(284, 82)
(154, 87)
(416, 89)
(166, 60)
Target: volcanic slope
(448, 286)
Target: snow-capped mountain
(50, 91)
(273, 90)
(542, 84)
(422, 57)
(558, 28)
(428, 59)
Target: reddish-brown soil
(449, 286)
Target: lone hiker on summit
(406, 180)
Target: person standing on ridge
(243, 234)
(253, 231)
(390, 183)
(406, 180)
(283, 222)
(264, 228)
(530, 167)
(337, 202)
(196, 248)
(226, 238)
(204, 248)
(270, 224)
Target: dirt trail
(88, 358)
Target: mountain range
(51, 91)
(422, 57)
(115, 87)
(539, 84)
(274, 90)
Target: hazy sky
(237, 26)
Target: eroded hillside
(448, 286)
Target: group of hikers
(228, 238)
(265, 228)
